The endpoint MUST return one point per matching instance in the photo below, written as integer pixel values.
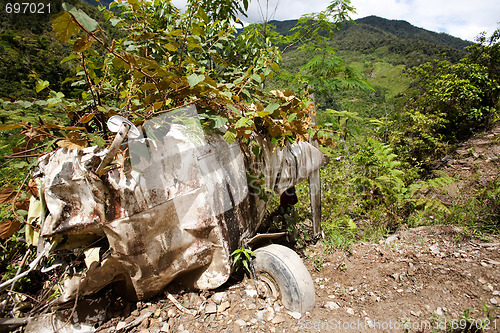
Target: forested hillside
(381, 50)
(29, 48)
(383, 38)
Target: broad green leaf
(20, 165)
(24, 104)
(86, 21)
(198, 30)
(53, 102)
(203, 15)
(256, 77)
(99, 141)
(351, 224)
(194, 79)
(230, 136)
(219, 121)
(171, 47)
(70, 57)
(41, 103)
(257, 150)
(115, 21)
(147, 86)
(272, 107)
(210, 81)
(40, 85)
(243, 122)
(235, 110)
(64, 26)
(102, 109)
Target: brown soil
(422, 279)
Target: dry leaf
(87, 117)
(82, 44)
(19, 149)
(33, 187)
(73, 141)
(8, 228)
(35, 134)
(7, 194)
(6, 127)
(71, 144)
(22, 205)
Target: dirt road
(419, 280)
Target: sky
(459, 18)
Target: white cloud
(460, 18)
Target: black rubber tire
(284, 268)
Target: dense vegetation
(383, 130)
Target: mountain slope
(398, 41)
(380, 49)
(390, 28)
(403, 29)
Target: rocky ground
(424, 279)
(475, 163)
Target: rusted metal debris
(175, 204)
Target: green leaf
(41, 103)
(351, 224)
(194, 79)
(115, 21)
(256, 77)
(272, 107)
(218, 120)
(100, 142)
(40, 85)
(243, 122)
(171, 47)
(235, 110)
(24, 104)
(257, 150)
(64, 26)
(86, 21)
(230, 136)
(20, 165)
(203, 15)
(70, 57)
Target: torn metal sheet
(175, 204)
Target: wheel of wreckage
(285, 276)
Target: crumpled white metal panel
(178, 208)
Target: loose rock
(331, 305)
